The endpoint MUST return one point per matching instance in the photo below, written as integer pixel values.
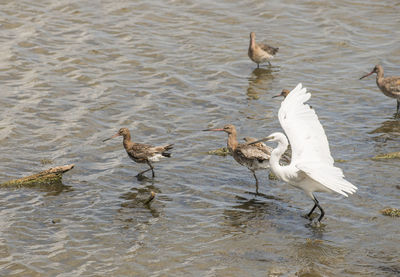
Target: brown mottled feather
(140, 153)
(266, 149)
(271, 50)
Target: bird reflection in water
(259, 81)
(139, 205)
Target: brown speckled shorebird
(284, 93)
(260, 52)
(254, 157)
(390, 86)
(142, 153)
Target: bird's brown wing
(267, 150)
(140, 151)
(267, 48)
(393, 84)
(251, 152)
(260, 146)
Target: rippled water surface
(73, 72)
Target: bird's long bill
(218, 129)
(114, 136)
(279, 95)
(260, 140)
(367, 75)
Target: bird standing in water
(254, 157)
(390, 86)
(260, 52)
(142, 153)
(311, 168)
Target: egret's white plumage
(311, 168)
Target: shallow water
(74, 72)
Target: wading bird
(142, 153)
(283, 94)
(311, 168)
(254, 157)
(260, 52)
(390, 86)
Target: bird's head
(121, 132)
(377, 69)
(228, 128)
(283, 93)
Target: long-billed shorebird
(390, 86)
(254, 157)
(142, 153)
(260, 52)
(283, 93)
(311, 168)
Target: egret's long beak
(372, 72)
(260, 140)
(277, 95)
(114, 136)
(213, 129)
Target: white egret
(311, 168)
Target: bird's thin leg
(319, 207)
(151, 168)
(269, 63)
(144, 171)
(398, 106)
(255, 177)
(258, 65)
(312, 210)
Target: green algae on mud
(393, 212)
(223, 151)
(51, 176)
(391, 155)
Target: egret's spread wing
(303, 129)
(330, 176)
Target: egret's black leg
(269, 63)
(398, 106)
(310, 213)
(322, 213)
(258, 65)
(316, 204)
(319, 207)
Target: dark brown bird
(260, 52)
(390, 86)
(284, 93)
(254, 157)
(142, 153)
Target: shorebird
(254, 157)
(311, 168)
(142, 153)
(260, 52)
(390, 86)
(284, 93)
